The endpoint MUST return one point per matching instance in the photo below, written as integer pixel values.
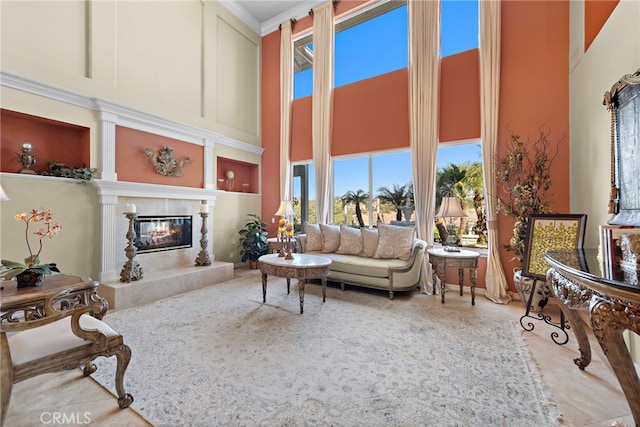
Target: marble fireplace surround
(165, 273)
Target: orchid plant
(47, 228)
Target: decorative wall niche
(52, 141)
(244, 176)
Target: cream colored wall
(188, 61)
(76, 247)
(613, 53)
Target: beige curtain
(322, 108)
(496, 282)
(286, 95)
(424, 80)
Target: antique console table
(301, 267)
(579, 283)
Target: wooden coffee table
(301, 267)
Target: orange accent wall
(596, 13)
(51, 140)
(270, 174)
(534, 92)
(371, 115)
(534, 95)
(460, 96)
(301, 145)
(133, 166)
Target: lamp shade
(285, 209)
(3, 195)
(450, 208)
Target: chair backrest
(546, 232)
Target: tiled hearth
(156, 285)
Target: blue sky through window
(378, 46)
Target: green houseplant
(30, 272)
(253, 240)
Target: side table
(441, 259)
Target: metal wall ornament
(165, 162)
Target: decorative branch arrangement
(525, 174)
(165, 162)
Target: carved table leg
(324, 287)
(123, 355)
(575, 323)
(473, 274)
(301, 283)
(6, 382)
(460, 278)
(264, 287)
(609, 320)
(442, 276)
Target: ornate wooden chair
(51, 330)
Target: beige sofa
(388, 258)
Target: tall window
(459, 26)
(459, 173)
(380, 183)
(303, 67)
(368, 44)
(371, 43)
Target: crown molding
(126, 116)
(296, 12)
(241, 13)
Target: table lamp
(450, 208)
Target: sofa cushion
(350, 241)
(314, 237)
(330, 237)
(394, 242)
(365, 267)
(369, 242)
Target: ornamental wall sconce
(165, 162)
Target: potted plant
(525, 174)
(31, 272)
(253, 240)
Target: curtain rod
(293, 24)
(335, 6)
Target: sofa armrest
(409, 275)
(302, 242)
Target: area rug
(220, 357)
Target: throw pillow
(394, 242)
(369, 242)
(314, 237)
(330, 237)
(350, 241)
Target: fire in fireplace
(162, 233)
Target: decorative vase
(29, 278)
(524, 286)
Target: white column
(108, 144)
(209, 169)
(108, 270)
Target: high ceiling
(264, 16)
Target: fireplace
(162, 233)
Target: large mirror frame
(623, 102)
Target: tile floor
(587, 398)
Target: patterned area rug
(220, 357)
